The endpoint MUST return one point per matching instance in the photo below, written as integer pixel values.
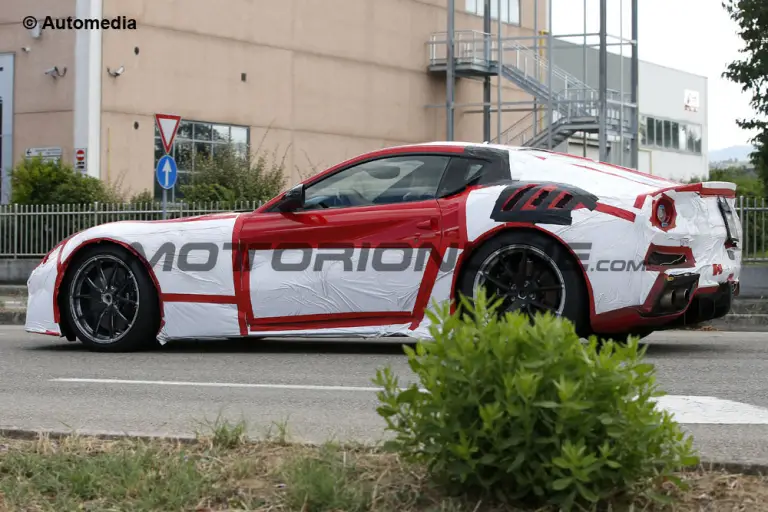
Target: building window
(643, 130)
(668, 134)
(510, 10)
(201, 139)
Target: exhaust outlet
(680, 298)
(667, 301)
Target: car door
(357, 254)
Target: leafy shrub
(529, 414)
(35, 181)
(228, 176)
(143, 197)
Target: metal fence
(752, 212)
(30, 231)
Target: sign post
(80, 160)
(47, 154)
(166, 171)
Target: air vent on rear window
(540, 198)
(563, 201)
(515, 198)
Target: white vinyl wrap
(328, 288)
(193, 320)
(40, 287)
(332, 289)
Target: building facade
(305, 82)
(310, 82)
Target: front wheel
(531, 273)
(111, 304)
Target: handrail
(570, 96)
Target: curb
(730, 323)
(13, 317)
(25, 434)
(747, 315)
(742, 323)
(743, 468)
(22, 434)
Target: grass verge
(224, 471)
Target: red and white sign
(80, 159)
(168, 125)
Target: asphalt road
(323, 389)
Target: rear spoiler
(707, 188)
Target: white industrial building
(672, 106)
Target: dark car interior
(429, 180)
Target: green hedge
(528, 414)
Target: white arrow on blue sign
(166, 172)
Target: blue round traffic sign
(166, 172)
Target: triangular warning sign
(168, 125)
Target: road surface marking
(219, 384)
(686, 409)
(713, 411)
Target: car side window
(463, 172)
(383, 181)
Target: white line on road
(219, 384)
(686, 409)
(709, 410)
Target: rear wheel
(110, 302)
(530, 273)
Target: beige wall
(326, 79)
(43, 107)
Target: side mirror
(292, 200)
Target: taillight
(663, 213)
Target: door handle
(428, 224)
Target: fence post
(15, 230)
(95, 213)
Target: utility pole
(450, 72)
(487, 80)
(634, 86)
(603, 81)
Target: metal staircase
(575, 105)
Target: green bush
(527, 413)
(34, 181)
(229, 177)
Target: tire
(573, 304)
(126, 305)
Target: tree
(229, 176)
(34, 181)
(751, 72)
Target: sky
(696, 36)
